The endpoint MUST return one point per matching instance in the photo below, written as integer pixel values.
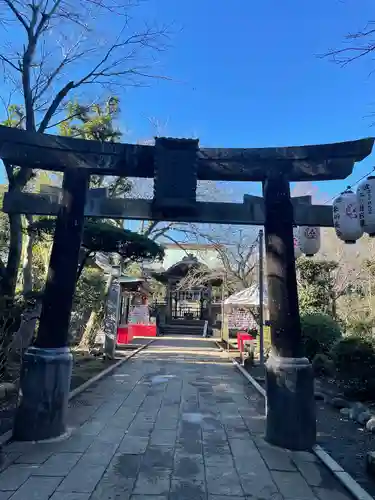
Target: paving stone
(209, 435)
(293, 485)
(59, 464)
(82, 478)
(277, 459)
(190, 446)
(111, 435)
(316, 474)
(15, 475)
(216, 448)
(189, 429)
(124, 466)
(76, 443)
(256, 425)
(7, 459)
(92, 427)
(100, 453)
(166, 423)
(242, 447)
(187, 490)
(220, 497)
(140, 431)
(146, 418)
(4, 495)
(70, 496)
(121, 420)
(258, 483)
(271, 496)
(133, 445)
(163, 437)
(332, 494)
(158, 456)
(37, 488)
(112, 487)
(303, 456)
(188, 468)
(149, 497)
(238, 432)
(224, 460)
(223, 481)
(155, 483)
(34, 456)
(253, 464)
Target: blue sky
(245, 73)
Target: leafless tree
(49, 41)
(356, 45)
(351, 271)
(237, 253)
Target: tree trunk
(24, 335)
(334, 307)
(14, 257)
(88, 338)
(96, 318)
(27, 265)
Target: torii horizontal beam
(301, 163)
(250, 212)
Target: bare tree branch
(238, 258)
(360, 44)
(54, 48)
(54, 105)
(109, 61)
(8, 61)
(18, 15)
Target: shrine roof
(133, 284)
(180, 270)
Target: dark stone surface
(44, 389)
(283, 307)
(290, 403)
(311, 162)
(57, 300)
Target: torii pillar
(291, 420)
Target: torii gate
(176, 165)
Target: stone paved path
(175, 422)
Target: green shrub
(319, 333)
(11, 310)
(323, 365)
(354, 358)
(360, 326)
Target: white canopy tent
(246, 298)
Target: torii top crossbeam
(301, 163)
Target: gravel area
(346, 441)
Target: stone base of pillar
(44, 392)
(291, 420)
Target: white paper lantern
(297, 250)
(366, 202)
(309, 240)
(346, 217)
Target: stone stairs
(183, 327)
